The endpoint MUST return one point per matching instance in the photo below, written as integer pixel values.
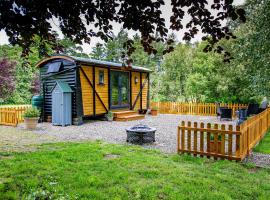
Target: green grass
(264, 145)
(83, 171)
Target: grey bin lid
(65, 88)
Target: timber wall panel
(49, 82)
(102, 91)
(87, 90)
(135, 90)
(144, 91)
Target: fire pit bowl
(140, 134)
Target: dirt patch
(6, 157)
(111, 156)
(253, 170)
(16, 139)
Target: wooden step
(129, 117)
(124, 113)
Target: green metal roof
(107, 63)
(90, 61)
(64, 86)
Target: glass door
(119, 89)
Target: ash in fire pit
(141, 134)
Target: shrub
(154, 108)
(31, 113)
(109, 115)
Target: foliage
(252, 50)
(31, 113)
(98, 52)
(26, 75)
(23, 20)
(35, 86)
(7, 77)
(190, 75)
(86, 171)
(109, 115)
(23, 75)
(154, 108)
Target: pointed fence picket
(12, 115)
(221, 141)
(205, 109)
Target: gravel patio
(114, 132)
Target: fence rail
(220, 141)
(12, 115)
(208, 109)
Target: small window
(136, 80)
(101, 77)
(54, 67)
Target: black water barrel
(37, 102)
(243, 114)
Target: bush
(109, 115)
(31, 113)
(154, 108)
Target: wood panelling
(144, 91)
(135, 89)
(67, 74)
(87, 90)
(102, 90)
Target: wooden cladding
(144, 91)
(220, 141)
(135, 90)
(207, 109)
(11, 116)
(95, 96)
(102, 103)
(87, 91)
(140, 90)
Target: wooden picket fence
(205, 109)
(254, 129)
(12, 115)
(222, 141)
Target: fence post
(183, 136)
(189, 136)
(202, 139)
(195, 138)
(178, 139)
(238, 145)
(208, 138)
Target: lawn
(96, 170)
(264, 145)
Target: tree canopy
(79, 20)
(7, 77)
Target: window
(101, 77)
(54, 67)
(136, 80)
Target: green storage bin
(37, 101)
